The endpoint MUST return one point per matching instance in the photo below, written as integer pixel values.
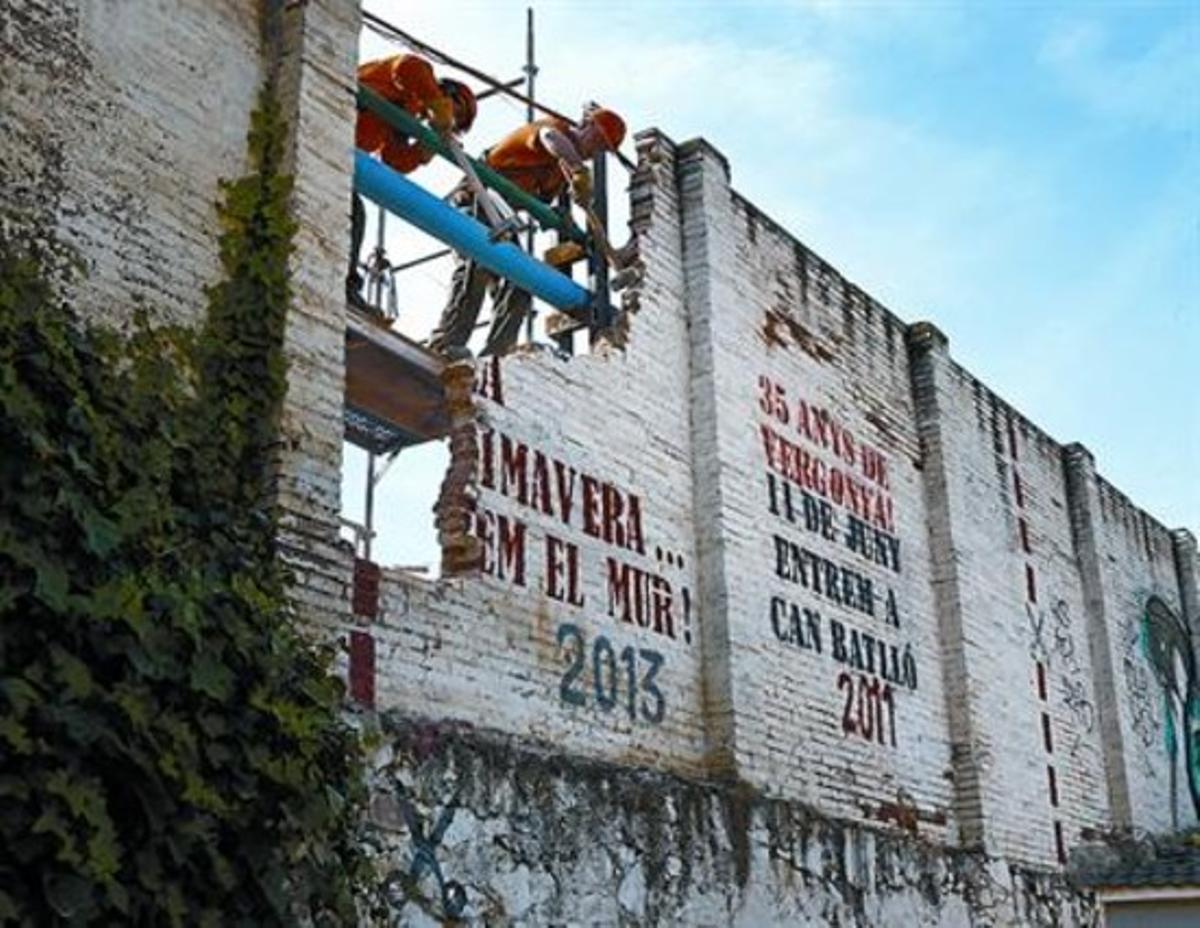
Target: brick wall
(1137, 559)
(824, 554)
(856, 514)
(119, 119)
(313, 46)
(1035, 743)
(582, 628)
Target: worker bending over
(539, 158)
(408, 82)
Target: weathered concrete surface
(521, 835)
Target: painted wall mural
(1167, 648)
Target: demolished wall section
(582, 625)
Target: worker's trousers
(358, 228)
(510, 306)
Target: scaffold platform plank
(394, 395)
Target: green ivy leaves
(171, 749)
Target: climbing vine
(171, 748)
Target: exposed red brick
(365, 595)
(362, 668)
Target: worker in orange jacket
(407, 81)
(540, 157)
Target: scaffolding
(394, 396)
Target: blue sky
(1027, 176)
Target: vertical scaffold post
(566, 340)
(530, 74)
(376, 285)
(598, 263)
(369, 507)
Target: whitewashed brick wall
(1034, 729)
(999, 746)
(1002, 743)
(313, 47)
(119, 119)
(1138, 561)
(535, 645)
(789, 335)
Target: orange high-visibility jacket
(522, 158)
(407, 81)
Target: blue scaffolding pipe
(397, 194)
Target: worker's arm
(562, 148)
(404, 154)
(559, 145)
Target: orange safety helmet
(611, 126)
(466, 108)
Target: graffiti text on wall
(863, 712)
(1140, 687)
(573, 501)
(826, 482)
(1053, 643)
(626, 681)
(578, 540)
(801, 628)
(400, 887)
(1167, 647)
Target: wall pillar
(929, 355)
(1082, 504)
(311, 49)
(1183, 545)
(702, 175)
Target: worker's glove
(625, 255)
(441, 114)
(581, 186)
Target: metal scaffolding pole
(369, 507)
(530, 74)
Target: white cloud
(1157, 87)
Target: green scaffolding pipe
(399, 118)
